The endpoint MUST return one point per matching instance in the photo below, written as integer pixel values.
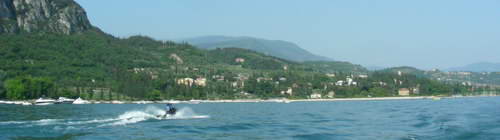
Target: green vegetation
(334, 66)
(97, 66)
(21, 88)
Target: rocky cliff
(57, 16)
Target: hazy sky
(421, 33)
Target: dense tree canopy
(97, 66)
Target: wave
(129, 117)
(37, 122)
(155, 113)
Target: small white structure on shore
(315, 96)
(331, 94)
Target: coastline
(277, 100)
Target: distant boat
(45, 101)
(81, 101)
(63, 100)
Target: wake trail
(129, 117)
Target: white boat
(81, 101)
(64, 100)
(45, 101)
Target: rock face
(7, 17)
(57, 16)
(6, 9)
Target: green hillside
(97, 66)
(82, 61)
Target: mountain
(374, 68)
(31, 16)
(464, 77)
(277, 48)
(335, 66)
(478, 67)
(48, 48)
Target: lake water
(476, 118)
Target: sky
(421, 33)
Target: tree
(27, 87)
(2, 87)
(154, 95)
(15, 89)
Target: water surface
(475, 118)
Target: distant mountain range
(281, 49)
(478, 67)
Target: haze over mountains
(478, 67)
(277, 48)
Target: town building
(404, 92)
(315, 96)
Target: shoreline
(277, 100)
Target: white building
(239, 60)
(339, 83)
(363, 76)
(330, 75)
(349, 81)
(315, 96)
(185, 81)
(201, 82)
(331, 94)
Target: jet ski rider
(170, 109)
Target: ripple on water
(319, 136)
(233, 127)
(422, 121)
(62, 137)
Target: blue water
(451, 119)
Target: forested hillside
(98, 66)
(83, 61)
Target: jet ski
(169, 111)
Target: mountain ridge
(277, 48)
(478, 67)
